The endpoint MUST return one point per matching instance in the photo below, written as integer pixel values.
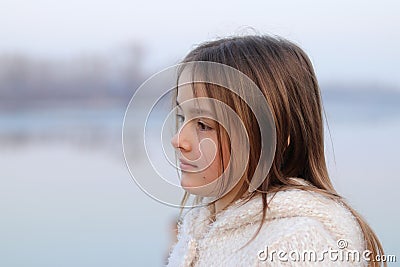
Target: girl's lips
(184, 165)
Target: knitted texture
(296, 221)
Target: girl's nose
(181, 139)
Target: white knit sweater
(297, 221)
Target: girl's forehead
(185, 92)
(190, 81)
(188, 91)
(195, 104)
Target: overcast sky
(346, 40)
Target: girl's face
(196, 143)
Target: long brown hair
(286, 77)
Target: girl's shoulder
(301, 209)
(330, 214)
(301, 220)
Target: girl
(292, 215)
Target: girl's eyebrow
(195, 110)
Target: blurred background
(69, 68)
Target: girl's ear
(288, 140)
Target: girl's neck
(227, 199)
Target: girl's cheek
(209, 152)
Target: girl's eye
(180, 118)
(203, 126)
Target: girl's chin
(202, 189)
(188, 184)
